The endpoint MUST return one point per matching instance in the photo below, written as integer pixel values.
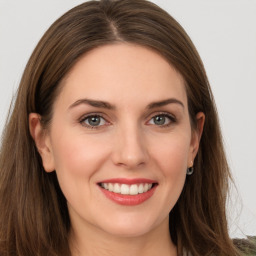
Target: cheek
(171, 158)
(79, 154)
(172, 154)
(173, 165)
(77, 158)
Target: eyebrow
(93, 103)
(162, 103)
(106, 105)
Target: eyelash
(171, 118)
(83, 119)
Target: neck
(91, 241)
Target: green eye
(162, 120)
(93, 121)
(159, 120)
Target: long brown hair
(34, 218)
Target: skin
(128, 142)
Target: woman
(116, 143)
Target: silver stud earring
(190, 170)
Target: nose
(130, 148)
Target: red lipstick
(128, 181)
(129, 199)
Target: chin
(128, 232)
(130, 226)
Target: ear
(195, 137)
(42, 141)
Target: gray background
(224, 32)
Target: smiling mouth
(127, 189)
(129, 192)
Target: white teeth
(141, 189)
(110, 187)
(145, 188)
(126, 189)
(134, 189)
(117, 188)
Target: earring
(190, 170)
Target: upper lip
(128, 181)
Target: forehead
(123, 73)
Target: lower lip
(129, 199)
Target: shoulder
(246, 245)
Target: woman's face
(120, 140)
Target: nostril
(129, 151)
